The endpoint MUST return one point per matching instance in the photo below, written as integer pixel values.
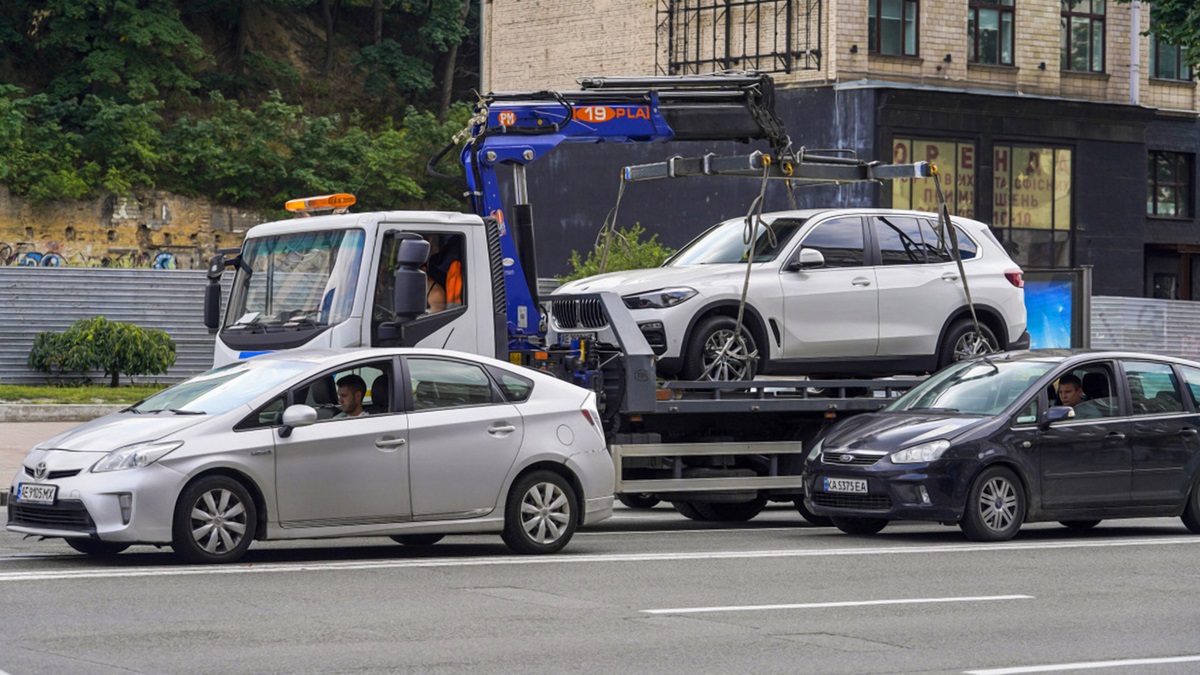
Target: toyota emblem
(39, 472)
(846, 459)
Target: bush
(99, 344)
(627, 252)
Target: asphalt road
(644, 592)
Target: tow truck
(716, 450)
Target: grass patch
(87, 394)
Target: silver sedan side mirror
(297, 416)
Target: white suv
(849, 292)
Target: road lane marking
(1084, 665)
(563, 558)
(826, 605)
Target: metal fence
(774, 36)
(1169, 327)
(38, 299)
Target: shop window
(1169, 188)
(956, 171)
(990, 31)
(1167, 61)
(1031, 207)
(892, 27)
(1082, 35)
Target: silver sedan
(410, 444)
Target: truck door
(449, 321)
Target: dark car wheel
(688, 510)
(417, 539)
(707, 357)
(995, 506)
(1191, 510)
(812, 518)
(540, 514)
(962, 342)
(1080, 524)
(215, 520)
(97, 548)
(739, 512)
(859, 525)
(638, 501)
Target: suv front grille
(863, 502)
(575, 313)
(65, 515)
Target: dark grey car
(986, 444)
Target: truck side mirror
(212, 293)
(297, 416)
(809, 258)
(408, 300)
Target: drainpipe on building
(1135, 52)
(483, 46)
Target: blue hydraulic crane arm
(517, 128)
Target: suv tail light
(1015, 278)
(589, 416)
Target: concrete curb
(31, 412)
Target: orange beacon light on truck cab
(338, 203)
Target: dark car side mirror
(297, 416)
(1057, 414)
(808, 258)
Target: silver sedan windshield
(979, 387)
(222, 389)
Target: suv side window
(1153, 388)
(899, 240)
(939, 251)
(840, 240)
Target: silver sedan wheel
(218, 521)
(971, 345)
(726, 358)
(545, 513)
(998, 504)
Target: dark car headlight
(925, 452)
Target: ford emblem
(846, 459)
(39, 472)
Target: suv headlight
(663, 297)
(925, 452)
(133, 456)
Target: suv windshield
(979, 387)
(295, 281)
(726, 243)
(221, 389)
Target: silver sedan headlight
(925, 452)
(134, 456)
(663, 297)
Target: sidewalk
(16, 439)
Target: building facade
(1056, 121)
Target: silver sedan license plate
(32, 493)
(852, 485)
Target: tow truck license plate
(32, 493)
(855, 485)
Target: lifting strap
(946, 230)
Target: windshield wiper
(943, 410)
(133, 409)
(178, 411)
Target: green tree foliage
(99, 344)
(1177, 22)
(626, 252)
(238, 101)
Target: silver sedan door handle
(501, 428)
(861, 281)
(383, 443)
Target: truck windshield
(295, 281)
(978, 387)
(726, 243)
